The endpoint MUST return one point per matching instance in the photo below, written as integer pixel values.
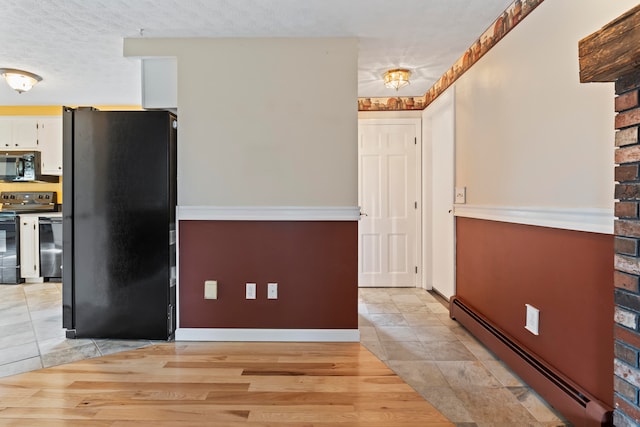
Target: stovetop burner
(28, 201)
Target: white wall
(264, 122)
(527, 132)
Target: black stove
(17, 202)
(14, 204)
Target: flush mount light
(21, 81)
(397, 78)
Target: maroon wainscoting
(315, 264)
(566, 274)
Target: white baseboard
(279, 335)
(580, 219)
(269, 213)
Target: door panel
(439, 126)
(389, 200)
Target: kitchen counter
(41, 214)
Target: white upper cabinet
(37, 133)
(50, 145)
(18, 133)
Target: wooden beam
(613, 51)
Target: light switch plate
(461, 195)
(210, 289)
(533, 319)
(250, 291)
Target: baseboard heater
(578, 406)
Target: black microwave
(22, 166)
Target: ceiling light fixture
(21, 81)
(397, 78)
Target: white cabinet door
(50, 145)
(18, 133)
(29, 248)
(6, 132)
(25, 133)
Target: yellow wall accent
(31, 110)
(54, 110)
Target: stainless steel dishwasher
(50, 247)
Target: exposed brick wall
(627, 258)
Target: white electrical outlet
(272, 291)
(250, 291)
(533, 319)
(210, 289)
(461, 195)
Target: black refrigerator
(119, 235)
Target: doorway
(389, 193)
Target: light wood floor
(220, 384)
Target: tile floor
(408, 329)
(31, 334)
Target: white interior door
(439, 135)
(388, 180)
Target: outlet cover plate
(461, 195)
(533, 319)
(272, 291)
(250, 291)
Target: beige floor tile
(48, 327)
(436, 307)
(20, 366)
(374, 295)
(407, 299)
(19, 351)
(412, 308)
(368, 333)
(363, 320)
(15, 314)
(467, 374)
(445, 400)
(540, 410)
(480, 351)
(434, 333)
(393, 319)
(72, 354)
(57, 344)
(376, 348)
(22, 336)
(494, 405)
(396, 333)
(503, 374)
(404, 350)
(418, 373)
(114, 346)
(422, 319)
(447, 351)
(382, 308)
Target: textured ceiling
(76, 45)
